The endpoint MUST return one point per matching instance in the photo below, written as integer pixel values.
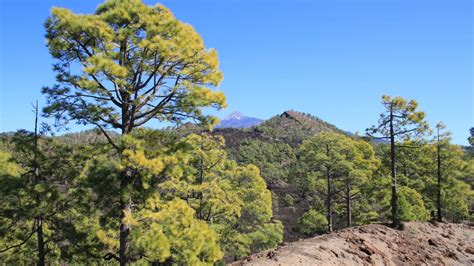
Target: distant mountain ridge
(238, 120)
(290, 127)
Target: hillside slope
(417, 244)
(293, 127)
(271, 146)
(290, 127)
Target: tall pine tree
(123, 66)
(400, 121)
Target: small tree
(312, 222)
(365, 165)
(411, 205)
(470, 139)
(399, 121)
(34, 186)
(452, 193)
(289, 200)
(442, 139)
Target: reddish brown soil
(376, 244)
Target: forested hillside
(276, 147)
(192, 194)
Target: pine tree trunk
(124, 232)
(438, 199)
(394, 199)
(329, 206)
(125, 206)
(126, 179)
(329, 195)
(40, 236)
(348, 205)
(37, 176)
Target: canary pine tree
(449, 166)
(165, 230)
(442, 139)
(124, 65)
(34, 188)
(399, 121)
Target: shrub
(289, 200)
(411, 205)
(275, 202)
(312, 222)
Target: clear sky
(332, 58)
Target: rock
(422, 244)
(433, 242)
(272, 255)
(469, 250)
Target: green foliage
(274, 159)
(456, 168)
(233, 199)
(467, 174)
(365, 211)
(411, 205)
(289, 200)
(400, 121)
(312, 222)
(414, 164)
(293, 127)
(417, 170)
(406, 120)
(471, 137)
(34, 188)
(7, 167)
(172, 234)
(136, 62)
(191, 203)
(124, 65)
(333, 164)
(226, 206)
(456, 198)
(275, 202)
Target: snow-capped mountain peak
(238, 120)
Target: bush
(312, 222)
(275, 202)
(411, 205)
(289, 200)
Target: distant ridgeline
(290, 127)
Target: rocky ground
(416, 244)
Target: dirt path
(375, 244)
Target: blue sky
(333, 59)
